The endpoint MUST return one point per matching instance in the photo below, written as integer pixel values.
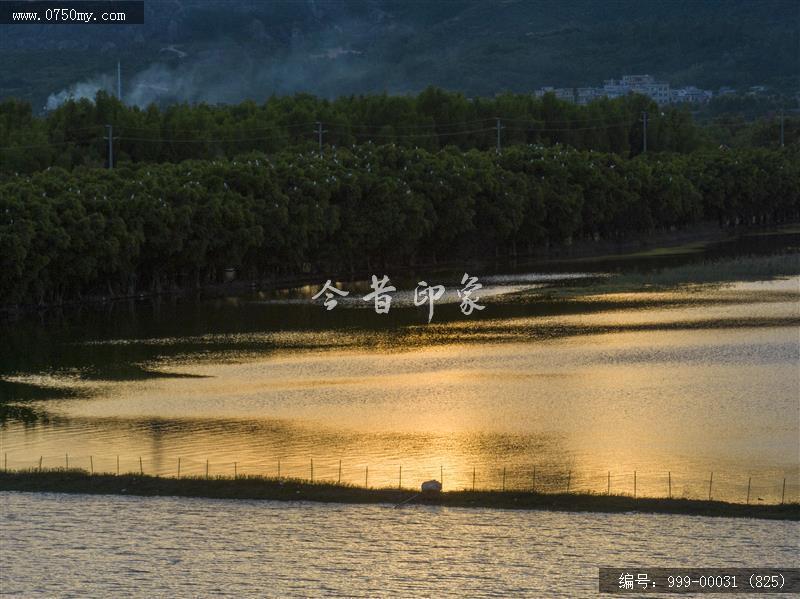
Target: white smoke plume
(327, 64)
(84, 89)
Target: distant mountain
(227, 51)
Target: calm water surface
(593, 386)
(71, 546)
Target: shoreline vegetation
(668, 243)
(150, 228)
(272, 489)
(74, 134)
(709, 272)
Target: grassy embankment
(744, 268)
(256, 487)
(716, 272)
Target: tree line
(74, 134)
(68, 234)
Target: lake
(72, 546)
(653, 375)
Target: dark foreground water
(107, 546)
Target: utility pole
(110, 139)
(320, 131)
(119, 81)
(781, 127)
(644, 131)
(499, 127)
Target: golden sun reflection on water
(670, 392)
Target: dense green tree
(74, 134)
(66, 234)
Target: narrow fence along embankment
(721, 494)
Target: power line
(318, 124)
(189, 131)
(418, 135)
(110, 138)
(438, 126)
(537, 129)
(781, 128)
(198, 141)
(534, 127)
(644, 131)
(404, 127)
(47, 145)
(551, 121)
(319, 131)
(69, 129)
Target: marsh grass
(685, 249)
(718, 272)
(748, 268)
